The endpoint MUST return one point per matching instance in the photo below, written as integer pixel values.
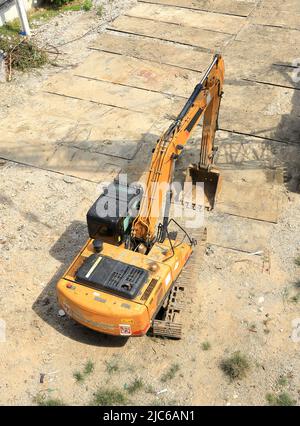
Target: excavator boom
(204, 102)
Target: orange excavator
(127, 279)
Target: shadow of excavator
(280, 150)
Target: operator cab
(112, 214)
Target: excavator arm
(204, 102)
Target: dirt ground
(59, 140)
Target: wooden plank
(261, 203)
(190, 18)
(75, 137)
(267, 39)
(104, 136)
(83, 164)
(238, 233)
(78, 124)
(155, 104)
(271, 16)
(259, 53)
(26, 152)
(231, 7)
(286, 5)
(247, 60)
(261, 110)
(239, 60)
(253, 194)
(207, 40)
(153, 50)
(248, 152)
(33, 141)
(139, 73)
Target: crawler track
(171, 324)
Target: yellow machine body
(111, 314)
(147, 245)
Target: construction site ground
(119, 82)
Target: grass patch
(52, 402)
(134, 386)
(111, 367)
(10, 28)
(170, 373)
(297, 261)
(236, 366)
(206, 346)
(87, 5)
(283, 399)
(150, 389)
(100, 10)
(295, 299)
(44, 14)
(89, 368)
(282, 381)
(80, 376)
(109, 397)
(43, 401)
(22, 54)
(297, 284)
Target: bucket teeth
(211, 179)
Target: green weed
(236, 366)
(170, 373)
(109, 397)
(283, 399)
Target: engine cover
(104, 273)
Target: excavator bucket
(211, 180)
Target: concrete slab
(75, 137)
(116, 134)
(87, 126)
(277, 18)
(153, 50)
(113, 95)
(286, 5)
(84, 164)
(189, 18)
(261, 110)
(240, 62)
(238, 233)
(31, 137)
(259, 65)
(248, 152)
(230, 7)
(270, 40)
(253, 194)
(204, 39)
(139, 73)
